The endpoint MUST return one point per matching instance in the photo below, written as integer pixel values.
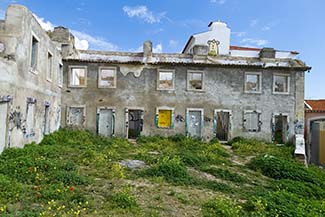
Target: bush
(124, 199)
(243, 146)
(221, 207)
(283, 203)
(172, 169)
(279, 168)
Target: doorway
(46, 120)
(105, 124)
(3, 124)
(280, 128)
(222, 119)
(134, 123)
(194, 122)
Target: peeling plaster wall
(19, 82)
(223, 89)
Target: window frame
(69, 75)
(173, 77)
(99, 77)
(288, 84)
(60, 76)
(259, 80)
(68, 115)
(259, 121)
(187, 80)
(172, 121)
(49, 69)
(34, 68)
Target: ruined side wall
(18, 81)
(223, 89)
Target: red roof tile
(232, 47)
(316, 105)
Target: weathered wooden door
(105, 122)
(194, 123)
(135, 123)
(3, 125)
(222, 125)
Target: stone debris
(133, 164)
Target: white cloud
(239, 34)
(157, 49)
(95, 43)
(143, 13)
(81, 44)
(46, 25)
(172, 43)
(220, 2)
(254, 42)
(253, 23)
(83, 41)
(266, 28)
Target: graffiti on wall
(299, 127)
(16, 120)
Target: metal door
(105, 122)
(3, 125)
(194, 123)
(222, 125)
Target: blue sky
(124, 25)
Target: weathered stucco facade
(30, 87)
(210, 90)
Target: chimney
(62, 35)
(267, 52)
(147, 49)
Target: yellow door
(165, 118)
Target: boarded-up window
(78, 76)
(107, 77)
(194, 80)
(76, 116)
(49, 66)
(34, 53)
(166, 80)
(281, 83)
(164, 118)
(252, 122)
(253, 82)
(30, 119)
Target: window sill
(253, 92)
(80, 86)
(105, 87)
(280, 93)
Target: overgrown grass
(249, 147)
(77, 173)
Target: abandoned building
(210, 90)
(315, 131)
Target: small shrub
(172, 169)
(279, 168)
(221, 207)
(124, 199)
(283, 203)
(244, 147)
